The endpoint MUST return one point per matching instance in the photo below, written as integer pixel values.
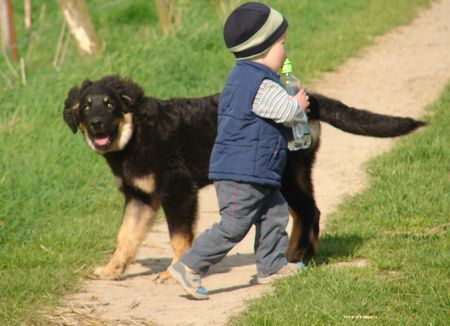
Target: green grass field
(59, 209)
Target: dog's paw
(106, 273)
(163, 278)
(294, 256)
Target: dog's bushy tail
(357, 121)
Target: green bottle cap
(287, 66)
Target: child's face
(276, 55)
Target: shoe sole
(269, 280)
(273, 278)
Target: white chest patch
(145, 184)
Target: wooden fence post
(7, 27)
(27, 9)
(80, 25)
(165, 15)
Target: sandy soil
(403, 72)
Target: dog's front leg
(137, 220)
(179, 201)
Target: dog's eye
(110, 107)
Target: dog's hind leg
(137, 220)
(304, 238)
(297, 188)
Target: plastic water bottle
(301, 137)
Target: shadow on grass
(337, 247)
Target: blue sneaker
(189, 280)
(288, 270)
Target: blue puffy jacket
(247, 148)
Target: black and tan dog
(159, 152)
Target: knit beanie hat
(252, 28)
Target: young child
(249, 154)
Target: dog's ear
(128, 101)
(86, 83)
(71, 111)
(130, 93)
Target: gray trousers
(241, 206)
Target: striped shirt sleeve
(273, 102)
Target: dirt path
(403, 72)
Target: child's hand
(303, 99)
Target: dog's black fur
(159, 152)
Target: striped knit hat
(252, 28)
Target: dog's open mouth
(102, 141)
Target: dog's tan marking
(313, 241)
(180, 243)
(126, 97)
(292, 252)
(83, 129)
(314, 129)
(137, 220)
(146, 184)
(125, 133)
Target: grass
(59, 209)
(400, 226)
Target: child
(249, 154)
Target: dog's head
(103, 111)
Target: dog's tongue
(101, 141)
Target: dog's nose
(97, 124)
